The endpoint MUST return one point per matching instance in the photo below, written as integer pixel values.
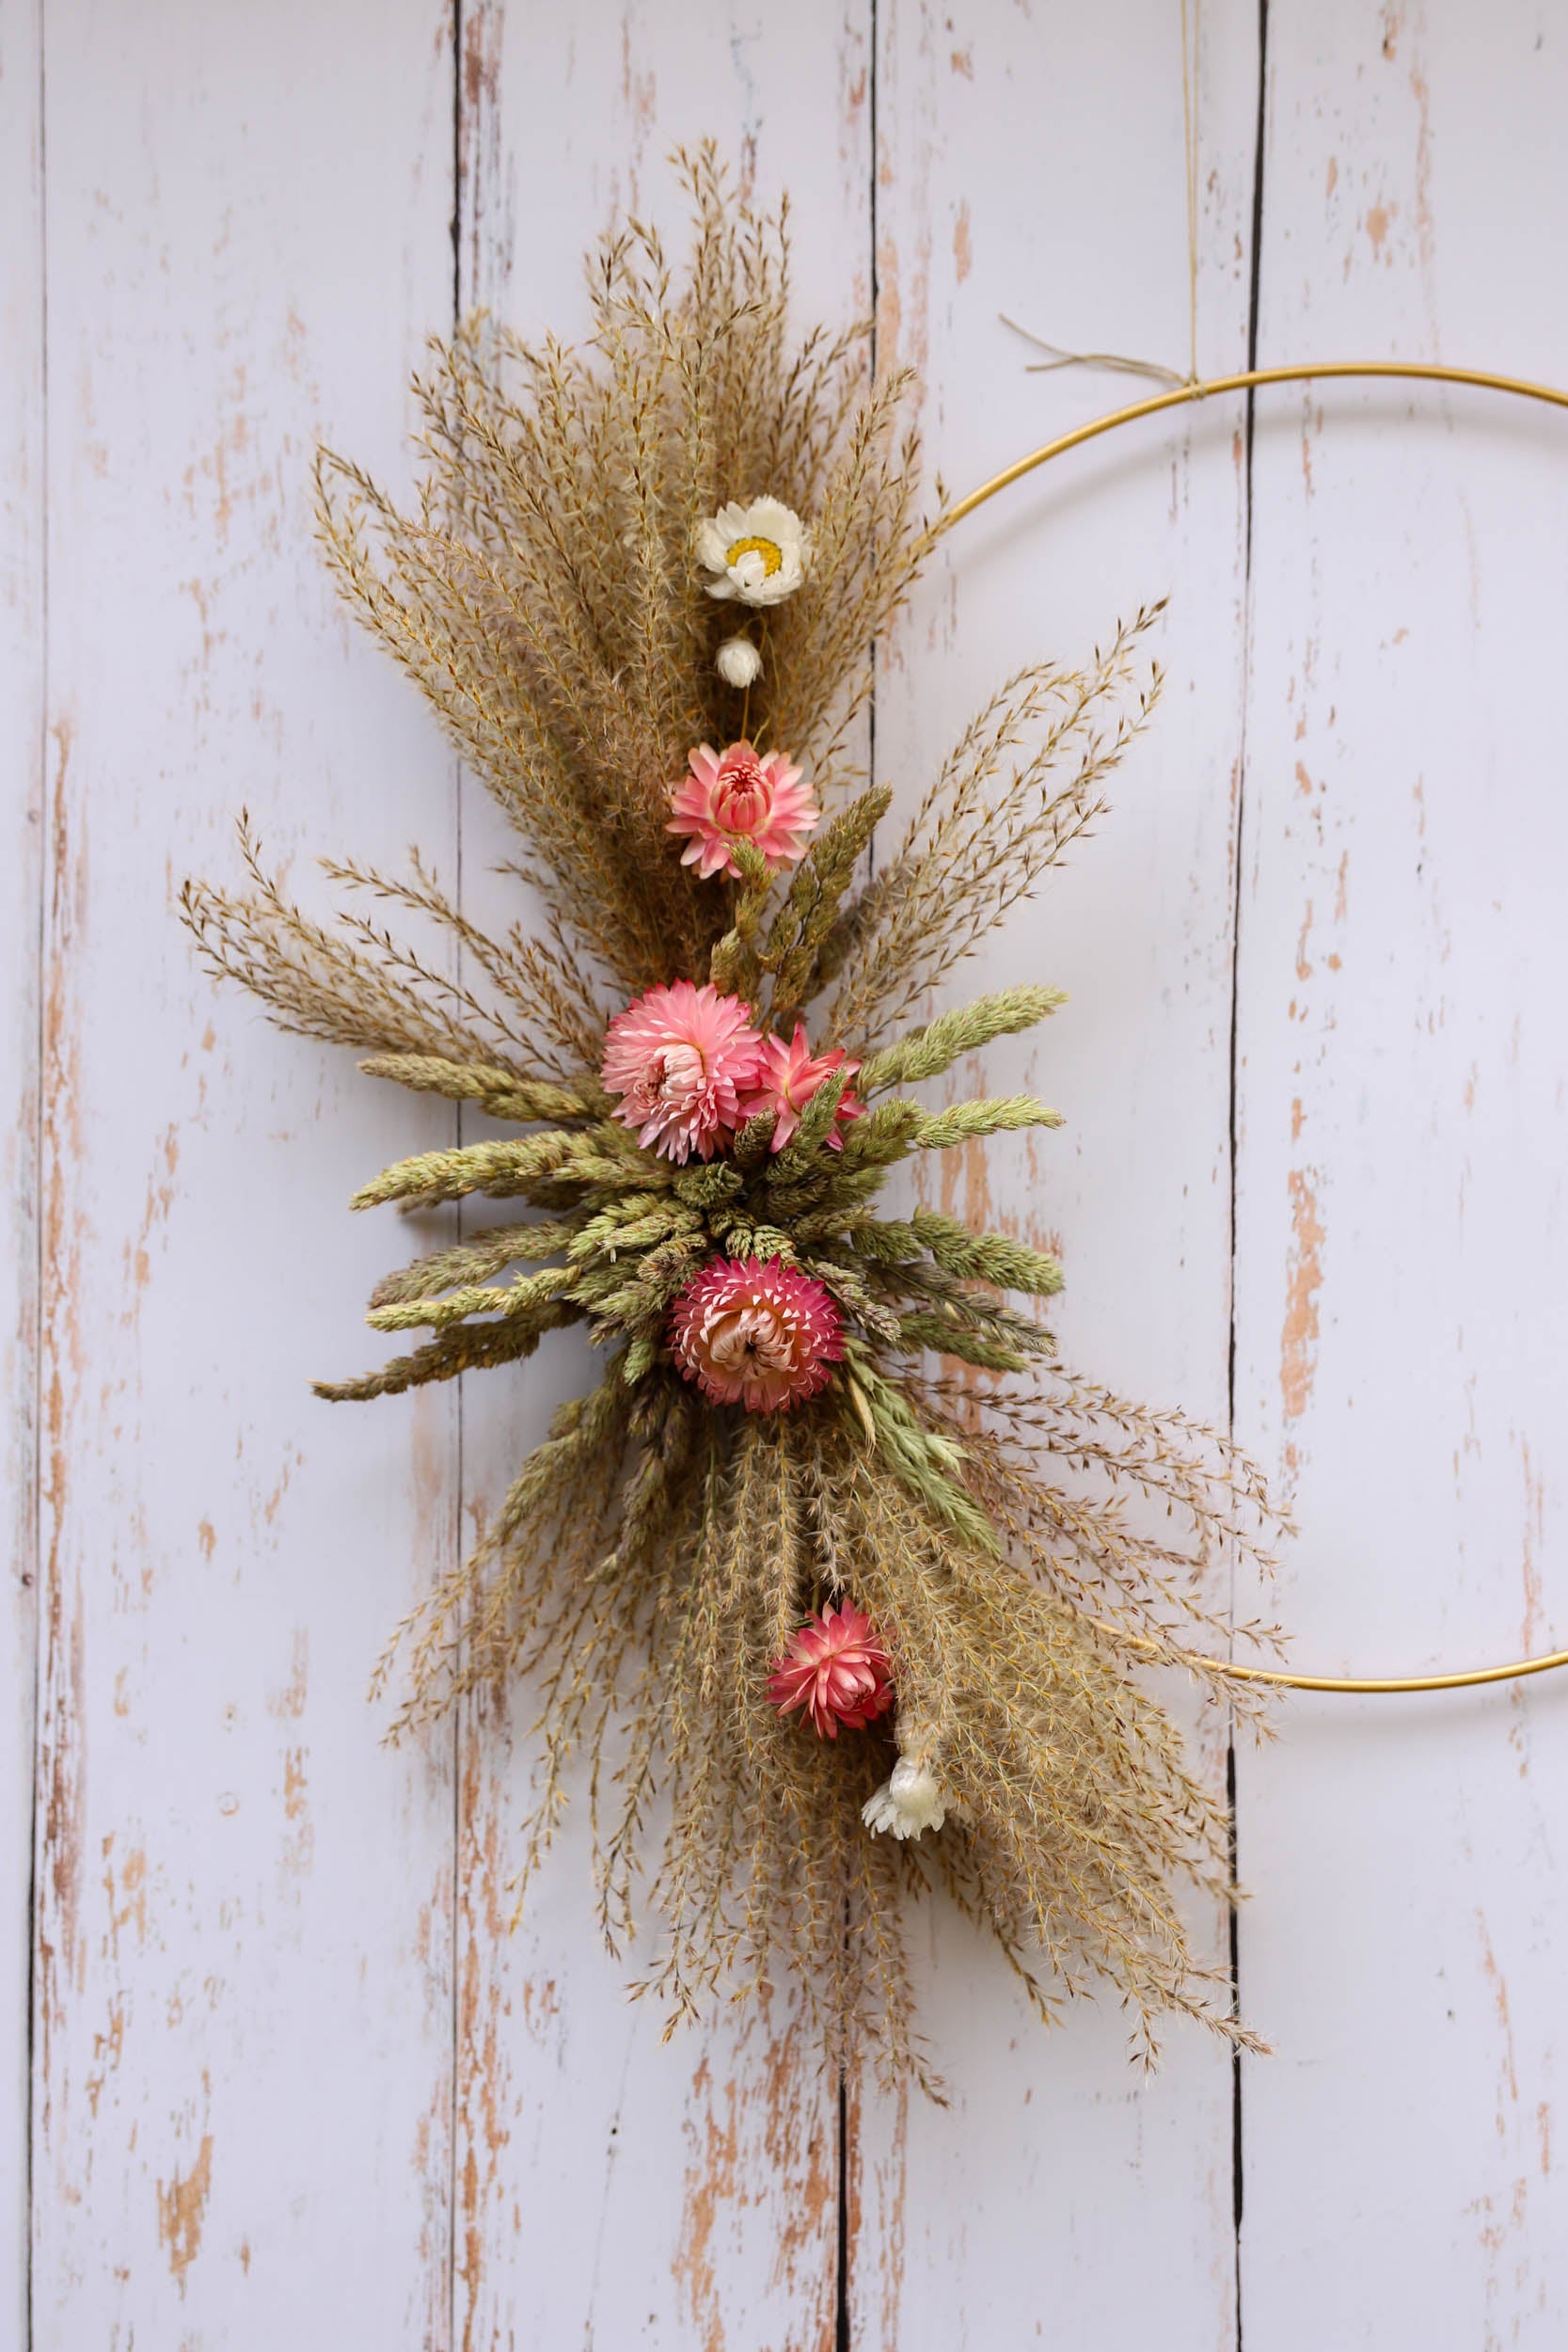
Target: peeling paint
(1298, 1342)
(183, 2208)
(963, 258)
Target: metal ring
(1247, 379)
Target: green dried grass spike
(994, 1257)
(443, 1175)
(733, 966)
(770, 1241)
(498, 1092)
(670, 1262)
(966, 1030)
(509, 1300)
(496, 1168)
(471, 1347)
(753, 1144)
(630, 1224)
(924, 1460)
(885, 1135)
(988, 1115)
(707, 1185)
(809, 912)
(474, 1260)
(886, 1241)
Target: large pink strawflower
(681, 1057)
(835, 1668)
(788, 1077)
(753, 1331)
(737, 796)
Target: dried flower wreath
(836, 1557)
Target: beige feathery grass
(989, 1511)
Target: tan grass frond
(1026, 779)
(542, 594)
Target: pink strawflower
(837, 1669)
(736, 796)
(753, 1332)
(681, 1057)
(788, 1077)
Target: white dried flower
(761, 552)
(911, 1802)
(738, 663)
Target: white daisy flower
(911, 1802)
(760, 553)
(738, 663)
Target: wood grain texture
(21, 729)
(1402, 1246)
(294, 2077)
(243, 2032)
(705, 2210)
(1010, 180)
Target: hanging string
(1189, 51)
(1118, 362)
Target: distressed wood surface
(704, 2209)
(242, 2022)
(290, 2076)
(1403, 1133)
(21, 729)
(1005, 2216)
(1005, 186)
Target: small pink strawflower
(753, 1332)
(788, 1077)
(837, 1669)
(736, 796)
(681, 1057)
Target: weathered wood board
(241, 2056)
(1402, 1128)
(277, 2067)
(713, 2215)
(22, 709)
(1014, 2205)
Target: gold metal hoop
(1247, 379)
(1183, 395)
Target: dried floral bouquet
(835, 1560)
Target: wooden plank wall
(22, 719)
(1400, 1241)
(242, 2040)
(275, 2068)
(979, 213)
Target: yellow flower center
(770, 550)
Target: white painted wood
(1401, 1248)
(705, 2205)
(243, 2043)
(21, 721)
(1032, 164)
(293, 2080)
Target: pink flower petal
(788, 1077)
(755, 1332)
(837, 1668)
(681, 1057)
(741, 795)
